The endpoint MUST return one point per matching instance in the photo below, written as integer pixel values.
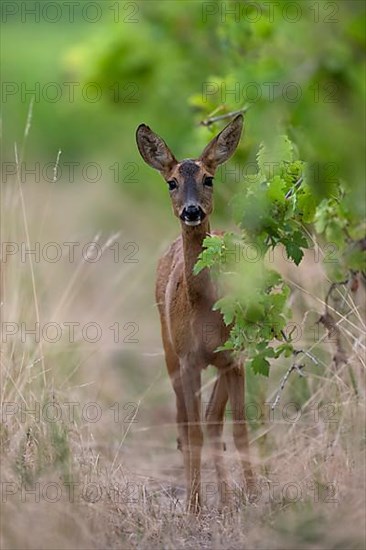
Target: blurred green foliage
(300, 66)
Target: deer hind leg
(235, 380)
(191, 384)
(215, 423)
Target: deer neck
(199, 287)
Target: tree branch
(294, 366)
(214, 119)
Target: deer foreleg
(191, 384)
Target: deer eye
(208, 181)
(172, 185)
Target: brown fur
(191, 330)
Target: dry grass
(117, 482)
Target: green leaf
(199, 266)
(307, 206)
(276, 189)
(227, 308)
(294, 252)
(285, 349)
(254, 312)
(213, 241)
(260, 365)
(211, 254)
(293, 245)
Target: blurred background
(77, 80)
(97, 70)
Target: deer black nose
(192, 213)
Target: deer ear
(223, 146)
(154, 150)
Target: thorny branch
(294, 367)
(334, 334)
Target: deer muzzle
(192, 214)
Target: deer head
(190, 181)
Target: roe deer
(191, 330)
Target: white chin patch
(192, 223)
